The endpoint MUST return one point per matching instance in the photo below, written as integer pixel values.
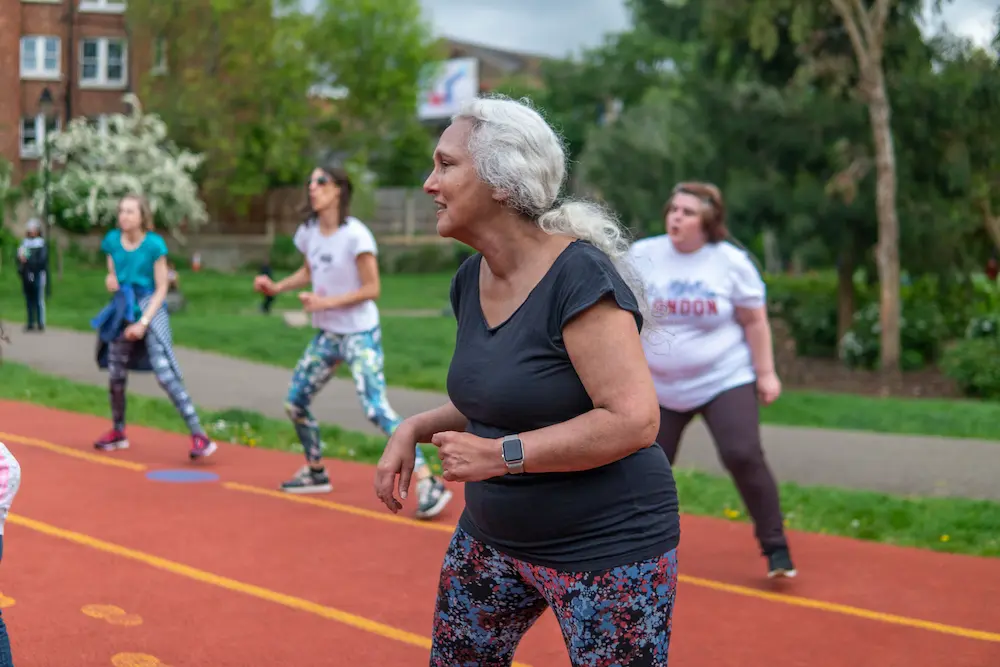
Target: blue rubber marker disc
(181, 476)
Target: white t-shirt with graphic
(333, 263)
(699, 349)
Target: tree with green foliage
(403, 159)
(865, 24)
(234, 88)
(264, 89)
(371, 53)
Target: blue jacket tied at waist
(110, 323)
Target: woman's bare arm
(443, 418)
(299, 279)
(370, 285)
(162, 281)
(604, 346)
(758, 333)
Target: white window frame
(35, 151)
(101, 123)
(103, 6)
(40, 73)
(102, 80)
(160, 62)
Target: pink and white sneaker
(112, 440)
(201, 447)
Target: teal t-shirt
(135, 266)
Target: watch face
(512, 450)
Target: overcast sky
(560, 27)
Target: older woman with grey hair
(552, 419)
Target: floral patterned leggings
(486, 602)
(362, 352)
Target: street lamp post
(46, 106)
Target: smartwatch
(513, 454)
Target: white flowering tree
(93, 167)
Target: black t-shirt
(518, 377)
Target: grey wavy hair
(517, 153)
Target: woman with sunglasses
(340, 266)
(715, 358)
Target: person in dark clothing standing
(268, 302)
(33, 263)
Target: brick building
(78, 50)
(495, 65)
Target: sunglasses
(322, 180)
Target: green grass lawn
(221, 317)
(954, 525)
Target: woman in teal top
(136, 322)
(136, 267)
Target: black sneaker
(432, 497)
(779, 564)
(307, 480)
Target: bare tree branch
(879, 16)
(862, 18)
(851, 25)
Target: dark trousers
(34, 298)
(265, 306)
(733, 419)
(6, 660)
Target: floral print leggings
(611, 618)
(362, 352)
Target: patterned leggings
(118, 355)
(362, 352)
(487, 601)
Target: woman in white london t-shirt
(712, 354)
(340, 265)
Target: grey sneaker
(432, 498)
(307, 480)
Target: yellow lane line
(745, 591)
(340, 507)
(203, 576)
(846, 610)
(73, 451)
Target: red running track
(232, 573)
